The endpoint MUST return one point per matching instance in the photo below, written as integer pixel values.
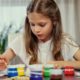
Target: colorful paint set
(39, 71)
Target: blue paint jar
(36, 72)
(36, 76)
(12, 71)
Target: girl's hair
(49, 9)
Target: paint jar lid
(36, 67)
(16, 66)
(21, 65)
(12, 66)
(36, 73)
(56, 72)
(69, 67)
(48, 66)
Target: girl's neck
(44, 41)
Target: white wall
(12, 14)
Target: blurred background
(13, 12)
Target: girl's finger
(3, 62)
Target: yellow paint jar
(21, 70)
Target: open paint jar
(36, 67)
(3, 72)
(12, 71)
(69, 71)
(77, 72)
(56, 74)
(47, 69)
(36, 72)
(36, 76)
(27, 72)
(21, 70)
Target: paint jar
(56, 74)
(21, 70)
(68, 71)
(36, 72)
(3, 73)
(12, 71)
(36, 67)
(47, 69)
(46, 78)
(36, 76)
(27, 72)
(77, 72)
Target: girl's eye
(32, 24)
(42, 25)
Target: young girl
(43, 40)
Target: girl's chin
(42, 39)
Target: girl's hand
(3, 62)
(57, 64)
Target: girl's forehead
(37, 16)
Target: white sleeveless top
(69, 48)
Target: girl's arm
(9, 54)
(5, 58)
(75, 64)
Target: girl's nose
(37, 29)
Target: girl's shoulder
(69, 47)
(68, 40)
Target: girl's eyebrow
(41, 22)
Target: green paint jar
(47, 70)
(46, 78)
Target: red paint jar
(69, 71)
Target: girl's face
(40, 25)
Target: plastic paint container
(12, 71)
(36, 76)
(3, 72)
(27, 72)
(36, 67)
(21, 70)
(77, 72)
(69, 71)
(56, 74)
(46, 78)
(47, 69)
(36, 72)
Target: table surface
(46, 78)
